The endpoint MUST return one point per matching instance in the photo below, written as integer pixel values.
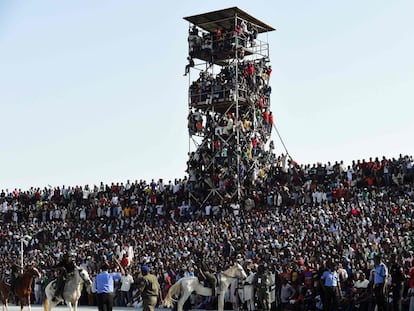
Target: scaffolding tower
(229, 119)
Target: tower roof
(225, 19)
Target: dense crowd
(300, 218)
(233, 146)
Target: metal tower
(229, 119)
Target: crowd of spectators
(234, 146)
(225, 136)
(224, 42)
(299, 217)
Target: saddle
(9, 281)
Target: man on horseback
(14, 276)
(205, 272)
(15, 272)
(65, 266)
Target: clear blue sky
(94, 91)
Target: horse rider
(14, 276)
(66, 266)
(206, 272)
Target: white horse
(71, 292)
(184, 287)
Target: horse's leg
(5, 304)
(220, 300)
(182, 300)
(28, 302)
(51, 304)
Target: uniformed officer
(262, 282)
(150, 289)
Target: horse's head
(33, 271)
(235, 271)
(84, 275)
(240, 273)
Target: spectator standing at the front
(361, 291)
(411, 286)
(105, 286)
(249, 288)
(397, 282)
(287, 293)
(38, 290)
(125, 291)
(380, 282)
(150, 289)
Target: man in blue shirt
(105, 285)
(380, 282)
(331, 285)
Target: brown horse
(4, 294)
(23, 287)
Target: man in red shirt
(125, 261)
(268, 73)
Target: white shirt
(208, 209)
(361, 284)
(126, 282)
(236, 209)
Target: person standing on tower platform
(189, 65)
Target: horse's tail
(45, 304)
(174, 290)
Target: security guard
(150, 289)
(262, 283)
